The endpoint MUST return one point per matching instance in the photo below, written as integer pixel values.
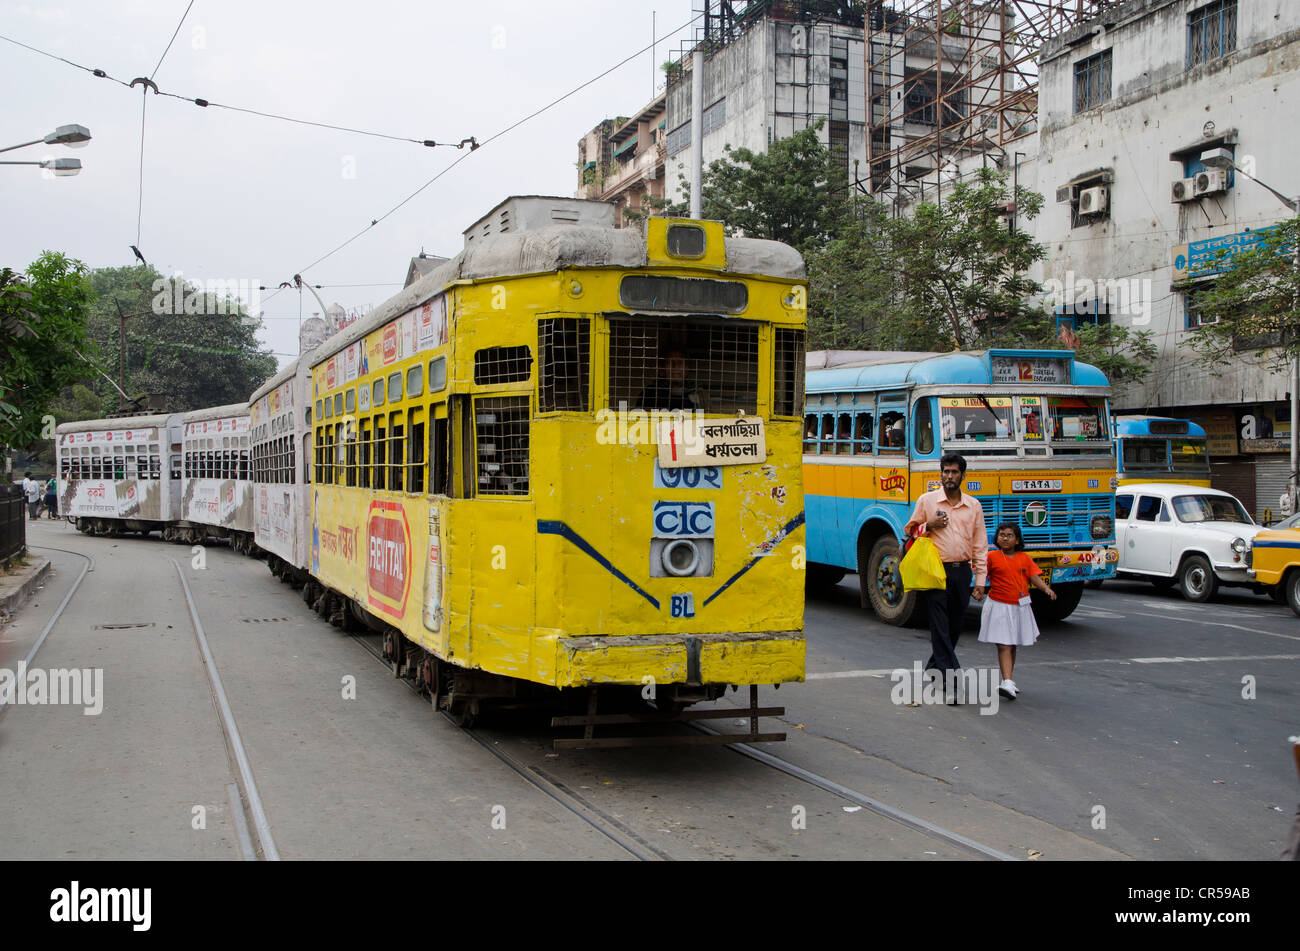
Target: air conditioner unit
(1183, 189)
(1212, 181)
(1093, 201)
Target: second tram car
(216, 486)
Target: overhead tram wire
(470, 141)
(492, 138)
(172, 40)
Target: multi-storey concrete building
(1130, 103)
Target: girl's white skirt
(1007, 623)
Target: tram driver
(672, 390)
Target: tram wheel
(882, 585)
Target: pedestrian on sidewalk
(52, 497)
(32, 490)
(1007, 618)
(955, 523)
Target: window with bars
(501, 445)
(705, 365)
(502, 365)
(788, 373)
(1211, 32)
(1092, 82)
(564, 349)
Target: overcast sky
(230, 196)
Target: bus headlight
(681, 558)
(1102, 526)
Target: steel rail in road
(608, 826)
(88, 567)
(875, 805)
(261, 825)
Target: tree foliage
(1255, 303)
(43, 343)
(204, 355)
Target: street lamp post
(1223, 158)
(73, 136)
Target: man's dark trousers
(947, 616)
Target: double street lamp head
(63, 167)
(74, 136)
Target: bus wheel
(884, 588)
(1067, 599)
(819, 577)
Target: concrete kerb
(17, 585)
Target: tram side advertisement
(84, 494)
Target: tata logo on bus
(389, 549)
(893, 482)
(1035, 514)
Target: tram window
(329, 408)
(319, 410)
(828, 433)
(844, 434)
(350, 401)
(564, 375)
(439, 456)
(810, 433)
(415, 381)
(893, 432)
(721, 372)
(501, 439)
(174, 465)
(352, 456)
(787, 372)
(415, 450)
(130, 467)
(377, 393)
(502, 365)
(438, 375)
(155, 467)
(381, 452)
(340, 453)
(363, 473)
(396, 433)
(862, 434)
(338, 404)
(245, 469)
(395, 386)
(924, 436)
(318, 452)
(291, 461)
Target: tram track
(603, 823)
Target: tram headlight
(681, 558)
(1102, 526)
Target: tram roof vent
(530, 212)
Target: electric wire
(172, 40)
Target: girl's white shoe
(1008, 689)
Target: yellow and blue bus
(496, 481)
(1159, 449)
(1034, 427)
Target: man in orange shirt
(955, 523)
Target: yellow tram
(570, 458)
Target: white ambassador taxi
(1194, 537)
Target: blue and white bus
(1159, 449)
(1034, 427)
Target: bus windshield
(1189, 455)
(977, 418)
(999, 425)
(1077, 418)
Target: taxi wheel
(1197, 580)
(1293, 590)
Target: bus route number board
(1037, 485)
(1030, 370)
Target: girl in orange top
(1007, 619)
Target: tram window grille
(501, 445)
(415, 453)
(352, 460)
(564, 348)
(291, 470)
(502, 365)
(364, 472)
(721, 364)
(395, 465)
(381, 455)
(788, 373)
(439, 452)
(155, 467)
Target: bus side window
(924, 427)
(844, 434)
(810, 433)
(862, 434)
(828, 433)
(893, 432)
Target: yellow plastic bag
(921, 568)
